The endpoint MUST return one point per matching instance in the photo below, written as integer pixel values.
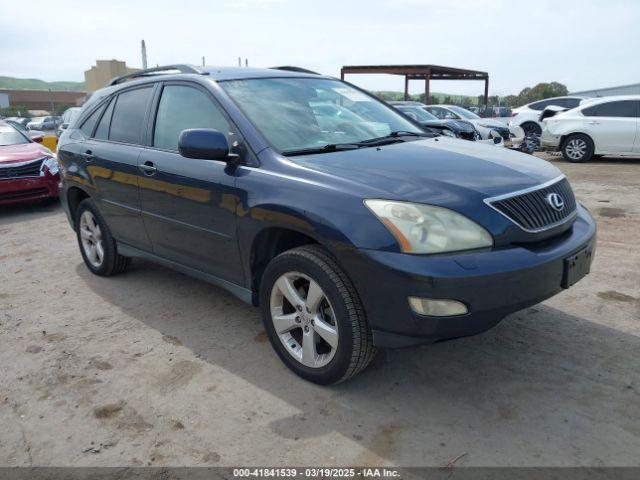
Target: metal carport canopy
(421, 72)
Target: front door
(189, 205)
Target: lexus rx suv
(350, 232)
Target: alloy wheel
(91, 238)
(304, 319)
(576, 148)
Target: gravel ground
(155, 368)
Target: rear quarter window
(128, 115)
(624, 109)
(89, 125)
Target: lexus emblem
(555, 201)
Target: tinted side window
(183, 107)
(128, 115)
(627, 108)
(90, 123)
(541, 105)
(102, 132)
(590, 111)
(573, 102)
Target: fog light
(437, 308)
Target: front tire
(97, 245)
(577, 148)
(313, 316)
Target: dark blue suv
(348, 225)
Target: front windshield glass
(307, 113)
(463, 112)
(10, 136)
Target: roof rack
(288, 68)
(154, 71)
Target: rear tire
(324, 345)
(531, 128)
(577, 148)
(97, 246)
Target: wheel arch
(565, 136)
(75, 195)
(269, 243)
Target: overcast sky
(583, 44)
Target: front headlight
(448, 133)
(51, 164)
(429, 229)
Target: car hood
(491, 123)
(439, 171)
(456, 125)
(22, 153)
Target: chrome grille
(18, 170)
(531, 210)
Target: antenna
(246, 62)
(203, 61)
(239, 62)
(144, 55)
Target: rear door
(189, 205)
(112, 153)
(612, 125)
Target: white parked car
(602, 126)
(484, 126)
(527, 116)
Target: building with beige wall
(103, 71)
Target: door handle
(88, 156)
(148, 168)
(593, 123)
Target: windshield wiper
(331, 147)
(392, 137)
(395, 134)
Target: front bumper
(492, 284)
(28, 189)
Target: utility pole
(239, 62)
(246, 62)
(144, 55)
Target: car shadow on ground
(19, 213)
(541, 378)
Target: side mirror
(37, 138)
(64, 126)
(412, 115)
(205, 144)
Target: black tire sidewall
(533, 128)
(339, 364)
(588, 154)
(107, 240)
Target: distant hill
(35, 84)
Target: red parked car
(28, 170)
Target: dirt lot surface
(155, 368)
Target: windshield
(463, 112)
(421, 114)
(10, 136)
(308, 113)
